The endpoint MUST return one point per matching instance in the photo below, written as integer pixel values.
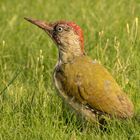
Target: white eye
(59, 29)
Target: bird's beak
(41, 24)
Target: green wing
(90, 83)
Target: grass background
(29, 107)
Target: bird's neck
(68, 54)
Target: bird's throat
(68, 55)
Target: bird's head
(67, 35)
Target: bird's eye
(59, 29)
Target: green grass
(29, 107)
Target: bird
(84, 84)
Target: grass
(29, 106)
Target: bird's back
(90, 83)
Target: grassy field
(29, 106)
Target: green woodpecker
(83, 83)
